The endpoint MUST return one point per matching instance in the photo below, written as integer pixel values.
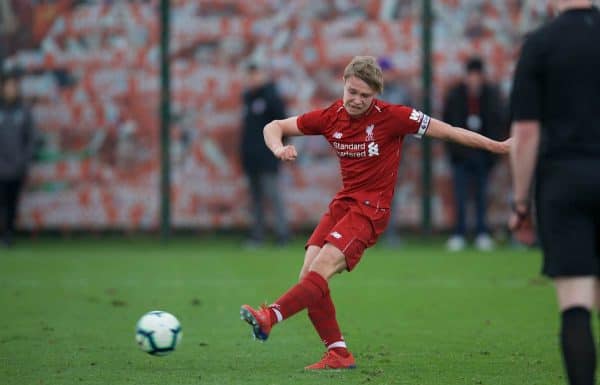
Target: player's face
(10, 89)
(358, 96)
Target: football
(158, 333)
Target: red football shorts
(351, 227)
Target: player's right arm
(275, 131)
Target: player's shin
(311, 289)
(323, 317)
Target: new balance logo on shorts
(336, 235)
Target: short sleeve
(526, 91)
(409, 121)
(313, 122)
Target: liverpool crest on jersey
(369, 130)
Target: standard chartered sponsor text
(350, 150)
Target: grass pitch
(412, 315)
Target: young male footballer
(366, 134)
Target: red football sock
(312, 288)
(322, 316)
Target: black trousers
(9, 198)
(264, 187)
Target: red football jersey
(368, 146)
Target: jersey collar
(372, 107)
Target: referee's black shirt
(557, 82)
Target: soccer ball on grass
(158, 333)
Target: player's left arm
(444, 131)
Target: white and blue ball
(158, 333)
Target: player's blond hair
(366, 69)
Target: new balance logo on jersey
(373, 149)
(337, 135)
(336, 235)
(369, 131)
(416, 115)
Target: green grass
(413, 315)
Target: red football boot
(332, 360)
(260, 320)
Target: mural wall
(92, 75)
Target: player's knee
(576, 292)
(305, 269)
(325, 270)
(328, 263)
(310, 256)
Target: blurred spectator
(16, 151)
(474, 104)
(262, 104)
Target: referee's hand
(521, 225)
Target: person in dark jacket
(16, 151)
(475, 104)
(262, 104)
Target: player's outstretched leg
(260, 320)
(310, 289)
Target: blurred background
(91, 72)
